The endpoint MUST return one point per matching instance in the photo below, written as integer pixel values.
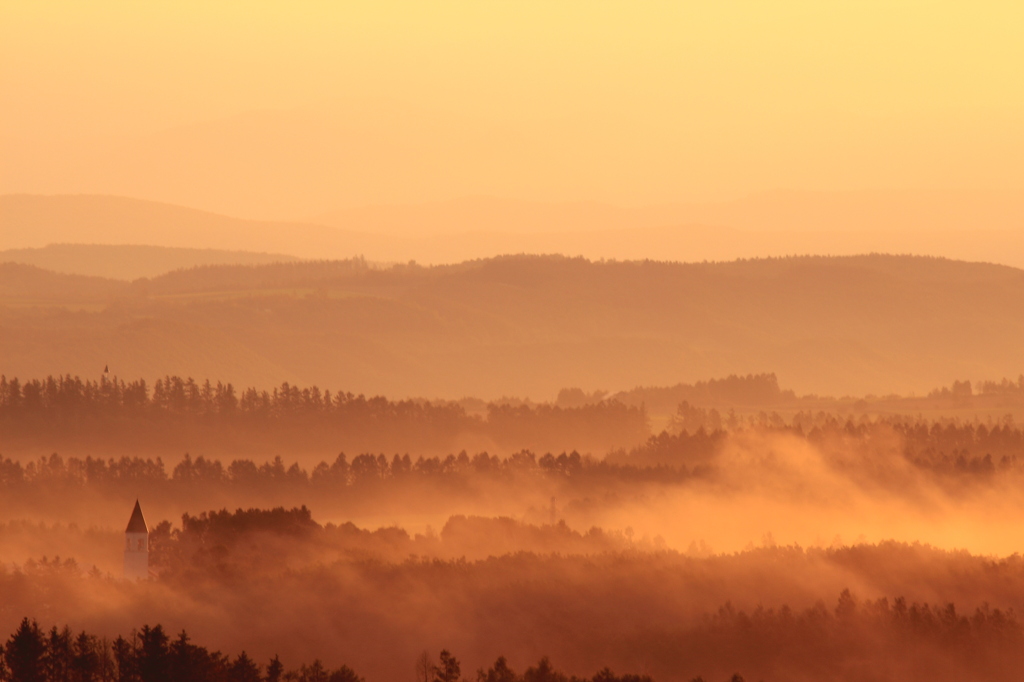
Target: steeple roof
(137, 524)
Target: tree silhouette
(124, 660)
(499, 672)
(543, 672)
(314, 672)
(24, 653)
(275, 670)
(244, 670)
(424, 667)
(58, 657)
(344, 674)
(85, 663)
(153, 659)
(448, 669)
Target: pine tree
(85, 660)
(24, 653)
(244, 670)
(274, 670)
(448, 669)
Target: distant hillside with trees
(528, 326)
(175, 415)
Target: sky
(286, 110)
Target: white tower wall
(136, 556)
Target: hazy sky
(263, 109)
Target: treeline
(183, 411)
(758, 390)
(148, 655)
(364, 471)
(716, 397)
(951, 447)
(873, 639)
(448, 669)
(948, 447)
(252, 541)
(964, 389)
(876, 639)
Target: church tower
(136, 546)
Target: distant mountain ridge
(34, 221)
(978, 226)
(130, 261)
(529, 325)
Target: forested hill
(528, 325)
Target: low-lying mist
(276, 582)
(833, 482)
(696, 553)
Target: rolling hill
(129, 261)
(974, 226)
(35, 221)
(529, 325)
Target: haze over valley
(511, 342)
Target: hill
(33, 221)
(23, 286)
(983, 226)
(128, 261)
(527, 325)
(975, 226)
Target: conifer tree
(25, 652)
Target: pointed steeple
(137, 524)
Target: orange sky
(288, 110)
